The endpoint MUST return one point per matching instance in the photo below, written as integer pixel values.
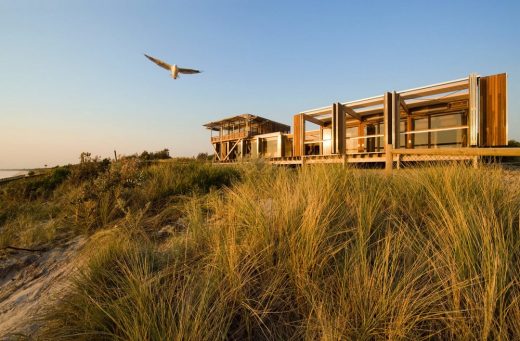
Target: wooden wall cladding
(493, 110)
(338, 131)
(297, 135)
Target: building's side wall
(455, 114)
(493, 110)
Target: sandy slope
(31, 280)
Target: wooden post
(225, 156)
(361, 133)
(279, 149)
(320, 145)
(388, 118)
(221, 150)
(473, 115)
(298, 135)
(389, 164)
(474, 162)
(389, 132)
(341, 129)
(409, 128)
(396, 120)
(338, 129)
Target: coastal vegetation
(187, 250)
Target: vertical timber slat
(361, 133)
(474, 116)
(388, 131)
(493, 110)
(333, 130)
(338, 129)
(396, 118)
(297, 136)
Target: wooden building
(449, 120)
(247, 136)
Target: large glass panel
(326, 141)
(370, 142)
(254, 149)
(402, 137)
(446, 138)
(269, 147)
(421, 139)
(380, 141)
(288, 147)
(352, 145)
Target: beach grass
(256, 252)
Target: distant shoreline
(5, 174)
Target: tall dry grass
(83, 198)
(319, 253)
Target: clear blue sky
(73, 76)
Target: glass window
(269, 147)
(288, 147)
(402, 137)
(447, 138)
(380, 141)
(421, 139)
(327, 141)
(254, 149)
(352, 145)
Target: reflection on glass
(440, 139)
(402, 137)
(254, 149)
(326, 142)
(421, 139)
(288, 147)
(269, 147)
(352, 145)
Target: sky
(73, 77)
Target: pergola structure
(466, 112)
(237, 135)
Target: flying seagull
(174, 69)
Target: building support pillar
(279, 146)
(338, 129)
(474, 117)
(474, 162)
(389, 132)
(258, 147)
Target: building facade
(465, 113)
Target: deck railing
(231, 136)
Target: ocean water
(8, 174)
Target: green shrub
(45, 185)
(513, 143)
(160, 155)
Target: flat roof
(240, 119)
(422, 96)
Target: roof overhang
(239, 119)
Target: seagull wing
(182, 70)
(159, 62)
